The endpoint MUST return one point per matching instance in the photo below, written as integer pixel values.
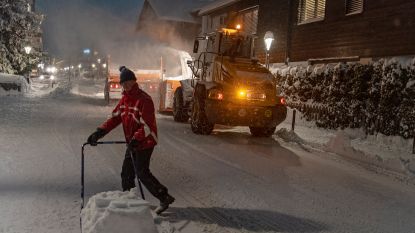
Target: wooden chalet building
(321, 30)
(172, 22)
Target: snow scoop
(83, 168)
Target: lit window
(354, 7)
(311, 10)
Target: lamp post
(268, 39)
(27, 50)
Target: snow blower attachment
(83, 168)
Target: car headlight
(52, 77)
(41, 77)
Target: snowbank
(88, 88)
(12, 84)
(392, 153)
(116, 211)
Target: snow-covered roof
(180, 10)
(216, 5)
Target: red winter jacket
(136, 113)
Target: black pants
(142, 164)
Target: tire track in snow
(221, 216)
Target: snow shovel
(83, 168)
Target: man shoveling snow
(135, 111)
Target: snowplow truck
(112, 88)
(229, 87)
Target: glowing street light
(268, 39)
(93, 65)
(27, 49)
(80, 66)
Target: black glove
(133, 144)
(95, 136)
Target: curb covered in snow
(389, 153)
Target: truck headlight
(242, 93)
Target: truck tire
(179, 112)
(199, 121)
(262, 131)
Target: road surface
(225, 182)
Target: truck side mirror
(196, 47)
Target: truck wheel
(262, 131)
(199, 122)
(179, 112)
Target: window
(311, 10)
(223, 20)
(354, 7)
(206, 19)
(249, 20)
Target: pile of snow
(116, 211)
(15, 80)
(289, 136)
(87, 87)
(392, 153)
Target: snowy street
(226, 182)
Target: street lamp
(268, 39)
(27, 49)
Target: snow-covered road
(225, 182)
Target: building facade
(321, 30)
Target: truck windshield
(236, 46)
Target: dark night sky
(76, 24)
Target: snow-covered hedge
(378, 97)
